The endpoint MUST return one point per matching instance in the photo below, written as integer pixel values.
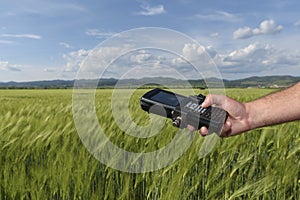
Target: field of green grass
(42, 156)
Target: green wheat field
(42, 156)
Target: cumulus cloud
(5, 66)
(211, 51)
(266, 27)
(196, 52)
(74, 59)
(141, 57)
(283, 58)
(118, 62)
(243, 33)
(253, 58)
(252, 53)
(257, 58)
(148, 10)
(197, 59)
(192, 51)
(92, 62)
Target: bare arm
(279, 107)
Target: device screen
(166, 98)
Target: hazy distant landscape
(259, 82)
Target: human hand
(237, 120)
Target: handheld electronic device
(183, 110)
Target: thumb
(218, 100)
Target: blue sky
(48, 39)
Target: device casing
(184, 110)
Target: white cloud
(246, 60)
(214, 35)
(191, 51)
(197, 61)
(252, 53)
(243, 33)
(148, 10)
(297, 23)
(13, 68)
(92, 62)
(6, 42)
(257, 58)
(195, 52)
(254, 59)
(129, 64)
(99, 34)
(211, 51)
(266, 27)
(218, 16)
(65, 45)
(4, 65)
(283, 58)
(50, 70)
(74, 59)
(141, 57)
(27, 36)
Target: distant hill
(38, 84)
(264, 81)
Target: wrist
(250, 119)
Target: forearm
(279, 107)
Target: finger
(190, 128)
(226, 129)
(227, 126)
(203, 131)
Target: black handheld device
(183, 110)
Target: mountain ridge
(254, 81)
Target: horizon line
(48, 80)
